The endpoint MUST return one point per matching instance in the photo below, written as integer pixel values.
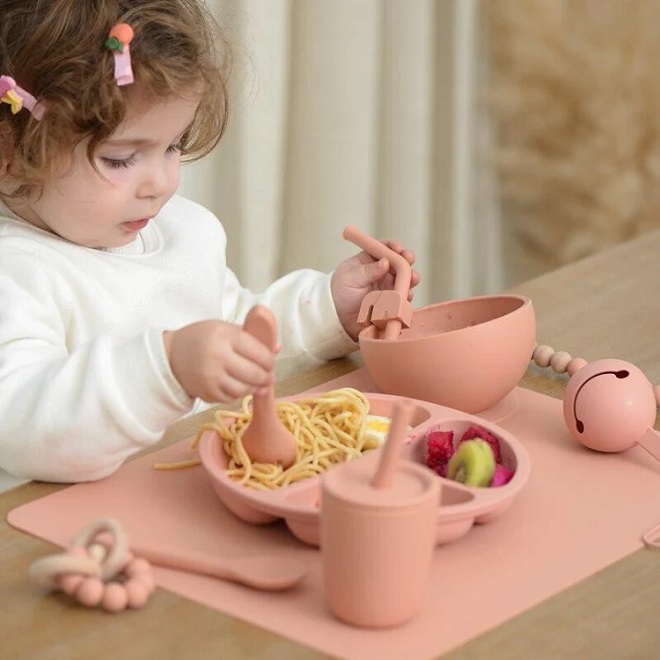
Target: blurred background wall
(497, 138)
(574, 92)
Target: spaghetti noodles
(328, 428)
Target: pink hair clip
(18, 98)
(118, 42)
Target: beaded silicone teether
(98, 572)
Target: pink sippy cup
(378, 535)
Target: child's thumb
(375, 270)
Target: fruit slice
(502, 476)
(473, 463)
(439, 449)
(474, 431)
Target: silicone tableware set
(439, 367)
(458, 356)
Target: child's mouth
(136, 225)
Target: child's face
(140, 168)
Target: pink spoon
(387, 310)
(263, 572)
(266, 439)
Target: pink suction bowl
(464, 354)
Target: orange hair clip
(118, 42)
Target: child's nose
(157, 181)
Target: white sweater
(84, 379)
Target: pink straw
(389, 459)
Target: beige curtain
(351, 111)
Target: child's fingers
(225, 388)
(375, 271)
(409, 256)
(261, 391)
(251, 349)
(397, 247)
(248, 374)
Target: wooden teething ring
(88, 568)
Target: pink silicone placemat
(579, 512)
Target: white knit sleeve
(71, 415)
(309, 329)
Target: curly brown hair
(55, 50)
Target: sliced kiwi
(473, 463)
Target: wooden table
(605, 306)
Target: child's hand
(217, 361)
(357, 276)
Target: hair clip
(118, 42)
(17, 98)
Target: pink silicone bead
(148, 581)
(575, 365)
(70, 582)
(115, 597)
(138, 566)
(90, 592)
(137, 593)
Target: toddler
(118, 314)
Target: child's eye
(175, 148)
(116, 163)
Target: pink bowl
(299, 504)
(464, 354)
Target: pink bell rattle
(609, 405)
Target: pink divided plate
(459, 506)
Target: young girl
(118, 313)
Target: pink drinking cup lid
(410, 489)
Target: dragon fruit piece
(439, 449)
(474, 431)
(502, 476)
